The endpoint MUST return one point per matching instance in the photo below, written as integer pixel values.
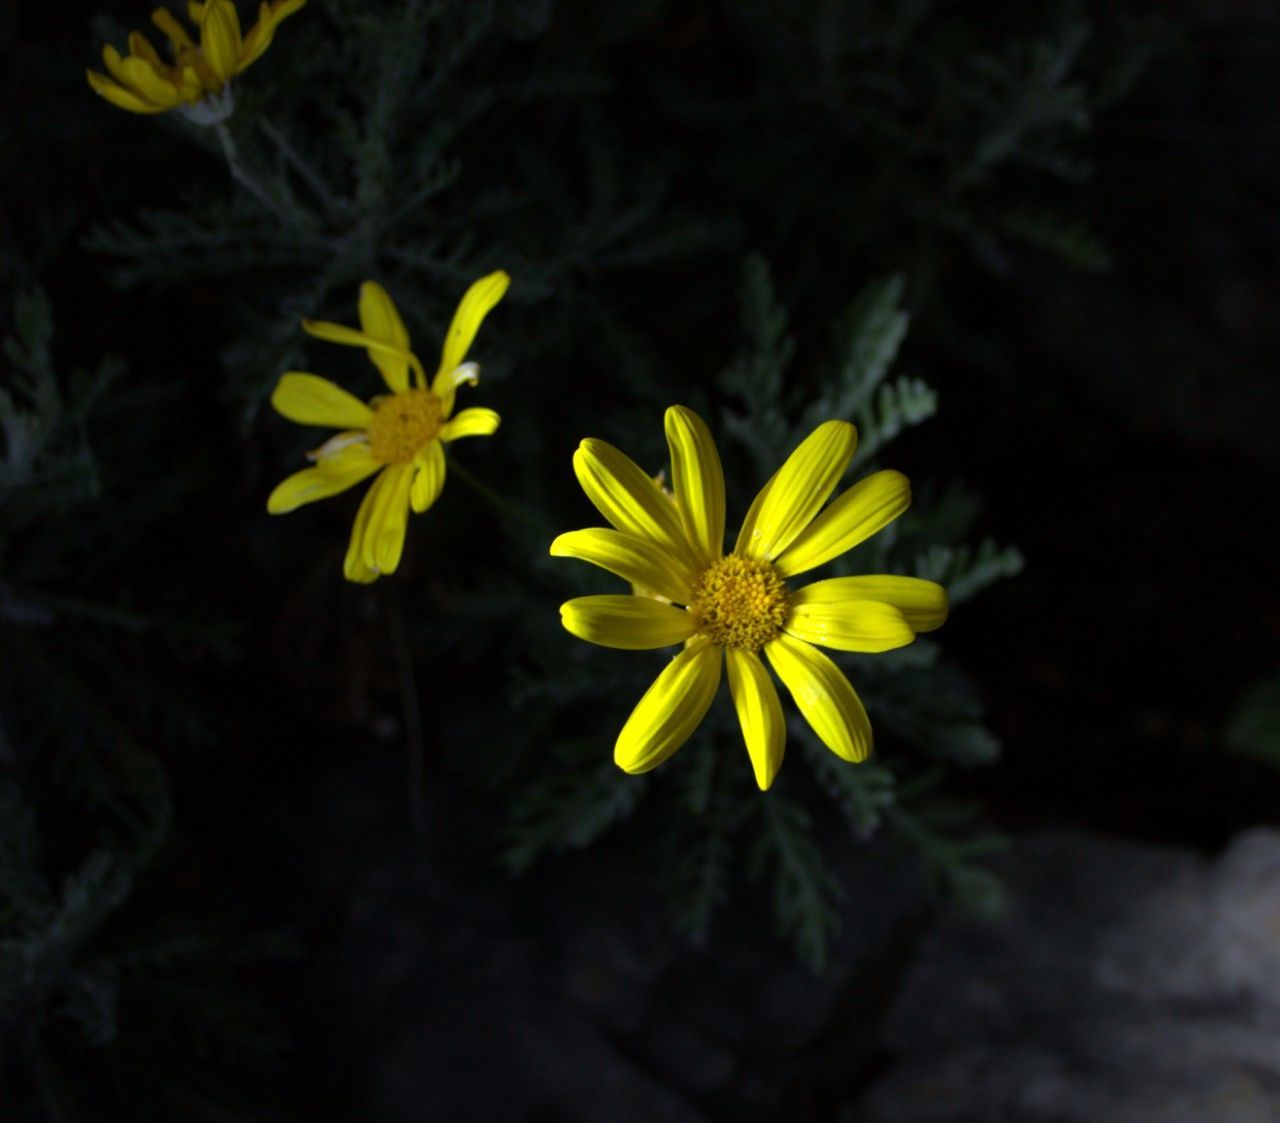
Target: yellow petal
(627, 622)
(867, 507)
(120, 97)
(759, 713)
(476, 304)
(388, 520)
(195, 11)
(173, 30)
(697, 480)
(353, 565)
(192, 88)
(194, 64)
(311, 400)
(477, 422)
(349, 337)
(791, 499)
(283, 9)
(334, 474)
(670, 709)
(629, 498)
(857, 625)
(114, 63)
(141, 76)
(380, 320)
(823, 695)
(258, 38)
(338, 333)
(922, 603)
(429, 481)
(637, 560)
(445, 385)
(141, 47)
(220, 38)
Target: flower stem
(409, 701)
(242, 177)
(503, 506)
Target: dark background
(1119, 425)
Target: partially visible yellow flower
(398, 435)
(143, 82)
(739, 604)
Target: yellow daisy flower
(739, 604)
(400, 435)
(143, 82)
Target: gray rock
(1129, 984)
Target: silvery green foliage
(396, 144)
(926, 716)
(422, 144)
(90, 976)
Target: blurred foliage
(113, 1000)
(633, 166)
(1253, 727)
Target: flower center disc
(403, 424)
(740, 602)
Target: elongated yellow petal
(759, 713)
(220, 38)
(258, 38)
(173, 31)
(283, 9)
(800, 488)
(477, 302)
(339, 333)
(477, 422)
(697, 480)
(141, 47)
(858, 625)
(350, 337)
(429, 481)
(353, 565)
(867, 507)
(638, 560)
(311, 400)
(114, 63)
(380, 320)
(628, 498)
(922, 603)
(627, 622)
(334, 474)
(823, 695)
(670, 709)
(120, 97)
(141, 76)
(195, 11)
(388, 520)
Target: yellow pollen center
(740, 602)
(403, 424)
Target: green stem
(242, 176)
(504, 506)
(412, 707)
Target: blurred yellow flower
(739, 604)
(398, 435)
(143, 82)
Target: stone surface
(1130, 984)
(436, 987)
